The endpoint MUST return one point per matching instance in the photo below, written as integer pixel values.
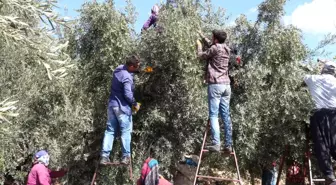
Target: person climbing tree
(40, 174)
(234, 60)
(119, 117)
(153, 18)
(219, 90)
(323, 120)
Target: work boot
(213, 148)
(104, 160)
(125, 160)
(228, 149)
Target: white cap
(155, 9)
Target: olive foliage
(54, 91)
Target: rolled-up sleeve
(56, 174)
(206, 41)
(208, 54)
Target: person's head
(155, 9)
(42, 157)
(329, 68)
(218, 36)
(133, 63)
(172, 3)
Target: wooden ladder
(198, 176)
(115, 165)
(308, 154)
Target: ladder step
(232, 153)
(114, 164)
(217, 178)
(318, 180)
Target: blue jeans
(275, 177)
(117, 121)
(269, 177)
(219, 102)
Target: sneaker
(213, 148)
(104, 160)
(125, 160)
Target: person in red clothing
(163, 181)
(294, 175)
(40, 174)
(150, 174)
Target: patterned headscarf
(153, 176)
(42, 157)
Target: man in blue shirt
(119, 116)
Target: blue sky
(310, 16)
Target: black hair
(132, 60)
(219, 35)
(328, 70)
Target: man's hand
(199, 44)
(201, 33)
(136, 107)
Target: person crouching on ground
(40, 174)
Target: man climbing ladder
(219, 90)
(323, 121)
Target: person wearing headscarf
(322, 88)
(40, 174)
(153, 18)
(150, 174)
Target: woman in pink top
(153, 18)
(40, 174)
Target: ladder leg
(95, 174)
(237, 167)
(308, 151)
(130, 169)
(201, 153)
(131, 166)
(310, 170)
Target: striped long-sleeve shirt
(218, 56)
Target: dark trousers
(323, 130)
